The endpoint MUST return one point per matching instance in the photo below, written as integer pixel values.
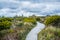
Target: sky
(29, 7)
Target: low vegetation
(49, 33)
(15, 28)
(52, 29)
(53, 20)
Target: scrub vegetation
(16, 28)
(52, 29)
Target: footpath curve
(32, 35)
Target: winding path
(32, 35)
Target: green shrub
(5, 19)
(38, 18)
(53, 20)
(5, 25)
(32, 20)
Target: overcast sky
(29, 7)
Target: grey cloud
(39, 1)
(9, 5)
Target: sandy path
(32, 35)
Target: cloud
(9, 4)
(51, 9)
(27, 8)
(10, 13)
(5, 11)
(41, 1)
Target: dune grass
(20, 31)
(49, 33)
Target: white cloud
(26, 3)
(8, 1)
(50, 7)
(4, 11)
(7, 12)
(27, 8)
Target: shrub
(38, 18)
(52, 20)
(32, 20)
(5, 25)
(5, 19)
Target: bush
(32, 20)
(52, 20)
(38, 18)
(5, 25)
(6, 19)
